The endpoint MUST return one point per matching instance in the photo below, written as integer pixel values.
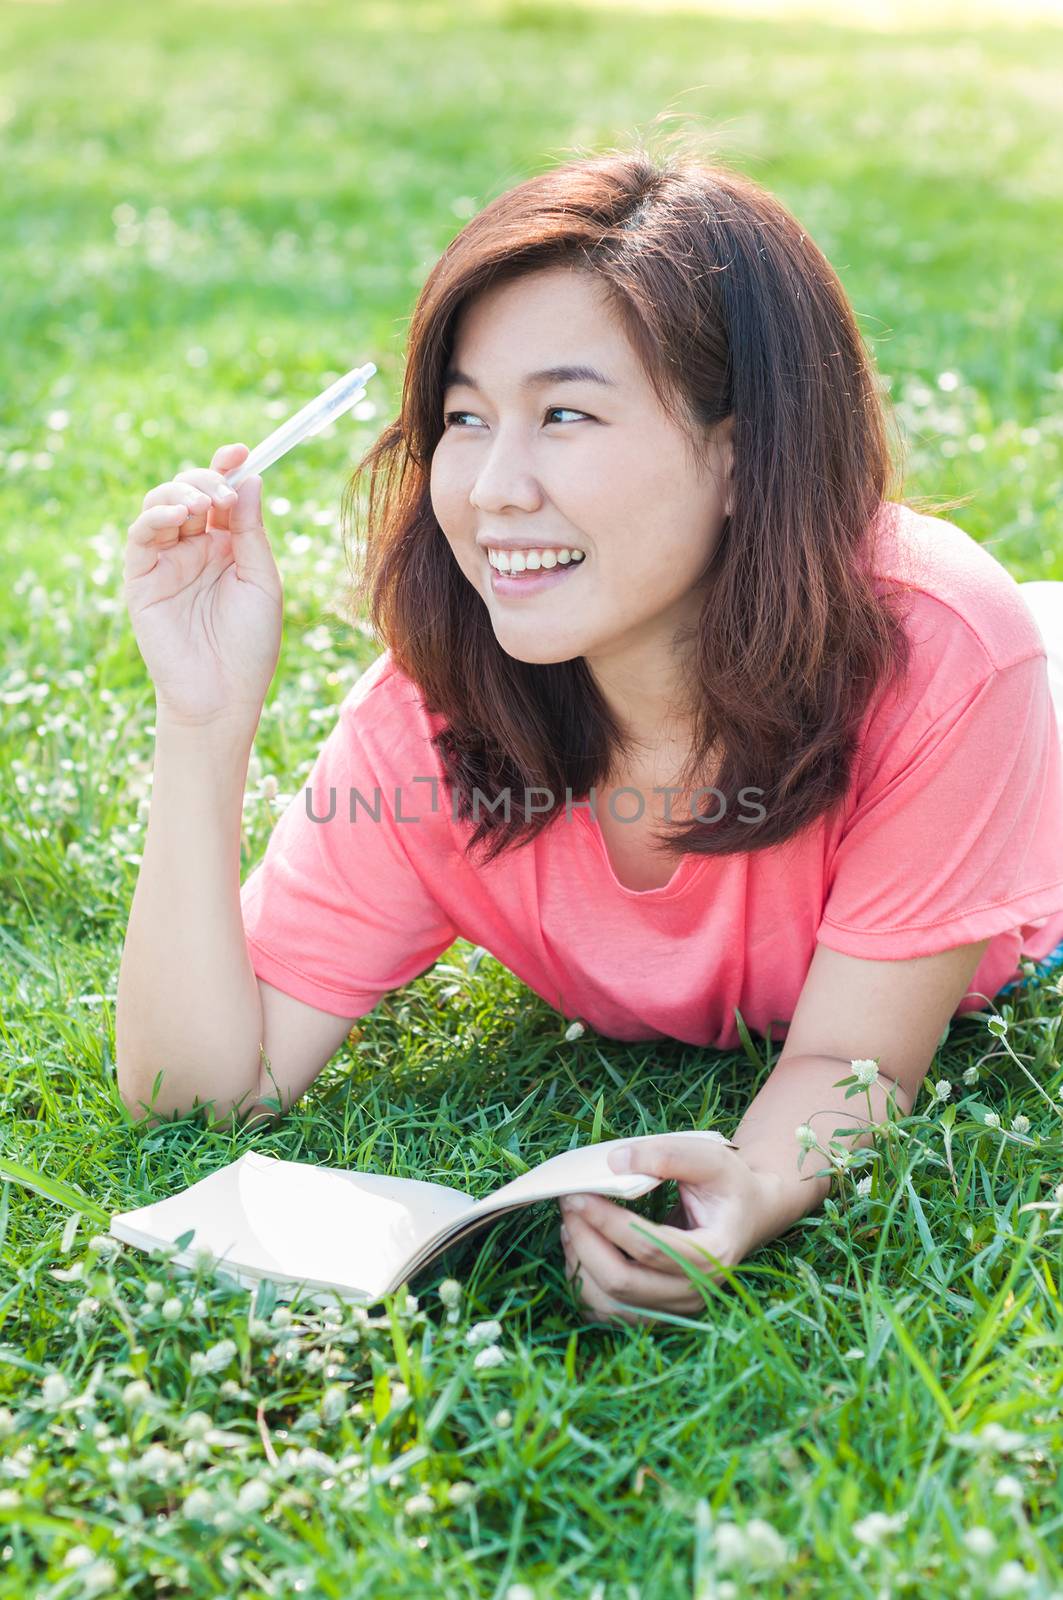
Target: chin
(538, 651)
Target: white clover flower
(991, 1437)
(1057, 1192)
(1008, 1487)
(980, 1541)
(483, 1333)
(333, 1403)
(254, 1496)
(104, 1245)
(520, 1591)
(1004, 1440)
(79, 1555)
(159, 1462)
(765, 1546)
(214, 1359)
(450, 1292)
(137, 1393)
(269, 787)
(1020, 1124)
(575, 1030)
(805, 1136)
(729, 1544)
(54, 1390)
(96, 1577)
(460, 1492)
(877, 1525)
(7, 1422)
(855, 1354)
(863, 1186)
(1012, 1578)
(281, 1318)
(172, 1309)
(199, 1306)
(198, 1424)
(503, 1418)
(10, 1499)
(198, 1506)
(87, 1308)
(998, 1026)
(991, 1120)
(153, 1291)
(419, 1505)
(490, 1356)
(866, 1071)
(971, 1075)
(942, 1089)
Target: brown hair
(733, 312)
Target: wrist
(784, 1197)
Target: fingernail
(225, 494)
(564, 1233)
(575, 1202)
(620, 1160)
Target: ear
(726, 436)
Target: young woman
(682, 713)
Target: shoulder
(965, 614)
(385, 711)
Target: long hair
(733, 312)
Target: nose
(504, 480)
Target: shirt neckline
(689, 867)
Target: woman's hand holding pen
(725, 1208)
(204, 594)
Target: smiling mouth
(533, 560)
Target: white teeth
(511, 561)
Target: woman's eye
(452, 416)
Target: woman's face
(570, 462)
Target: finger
(620, 1278)
(598, 1306)
(169, 494)
(676, 1155)
(159, 525)
(625, 1228)
(211, 483)
(228, 456)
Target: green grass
(207, 209)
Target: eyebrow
(453, 378)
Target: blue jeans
(1046, 966)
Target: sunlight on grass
(209, 209)
(875, 16)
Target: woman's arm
(735, 1200)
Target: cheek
(447, 495)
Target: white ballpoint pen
(330, 404)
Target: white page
(299, 1222)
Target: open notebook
(358, 1235)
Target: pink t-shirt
(952, 831)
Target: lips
(506, 586)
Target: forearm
(801, 1090)
(188, 1000)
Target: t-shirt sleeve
(958, 832)
(335, 914)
